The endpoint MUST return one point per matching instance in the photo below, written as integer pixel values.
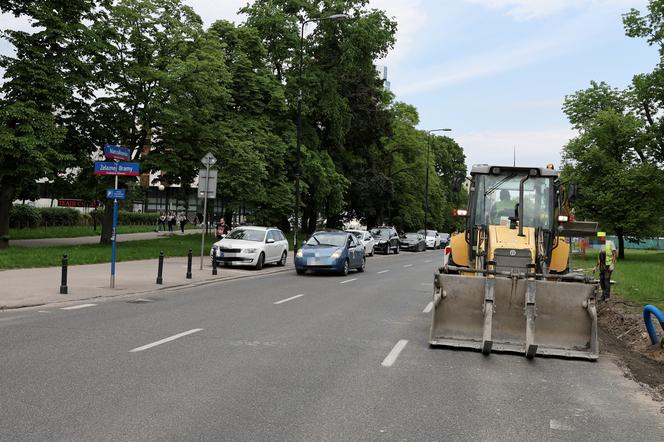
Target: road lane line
(348, 280)
(394, 354)
(165, 340)
(428, 308)
(382, 271)
(76, 307)
(407, 265)
(289, 299)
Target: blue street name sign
(116, 194)
(117, 152)
(110, 168)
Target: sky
(496, 72)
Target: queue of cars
(329, 250)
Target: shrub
(22, 215)
(60, 217)
(137, 218)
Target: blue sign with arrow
(116, 194)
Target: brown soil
(622, 332)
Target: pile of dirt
(623, 333)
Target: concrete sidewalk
(122, 237)
(41, 286)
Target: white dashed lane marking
(428, 308)
(382, 271)
(165, 340)
(348, 280)
(391, 358)
(76, 307)
(289, 299)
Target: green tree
(621, 187)
(46, 84)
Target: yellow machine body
(506, 286)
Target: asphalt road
(286, 357)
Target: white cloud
(523, 10)
(410, 17)
(533, 147)
(486, 64)
(211, 11)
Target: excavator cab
(505, 285)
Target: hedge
(127, 218)
(24, 216)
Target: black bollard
(160, 271)
(214, 260)
(189, 256)
(63, 280)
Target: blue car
(332, 252)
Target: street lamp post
(298, 170)
(426, 187)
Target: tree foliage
(148, 75)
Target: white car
(251, 246)
(432, 237)
(365, 239)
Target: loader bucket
(503, 314)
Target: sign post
(116, 169)
(208, 161)
(114, 235)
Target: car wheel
(396, 252)
(363, 266)
(282, 261)
(300, 271)
(261, 261)
(344, 270)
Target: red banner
(77, 203)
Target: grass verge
(76, 231)
(28, 257)
(639, 277)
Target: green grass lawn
(76, 231)
(639, 277)
(17, 257)
(27, 257)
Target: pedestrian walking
(606, 264)
(221, 228)
(183, 221)
(162, 221)
(171, 221)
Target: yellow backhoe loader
(505, 283)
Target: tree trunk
(6, 198)
(107, 223)
(621, 243)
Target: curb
(15, 307)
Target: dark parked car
(387, 239)
(331, 251)
(444, 240)
(413, 241)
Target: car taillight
(448, 250)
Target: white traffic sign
(211, 183)
(209, 160)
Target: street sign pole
(114, 235)
(208, 161)
(207, 180)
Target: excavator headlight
(563, 218)
(460, 212)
